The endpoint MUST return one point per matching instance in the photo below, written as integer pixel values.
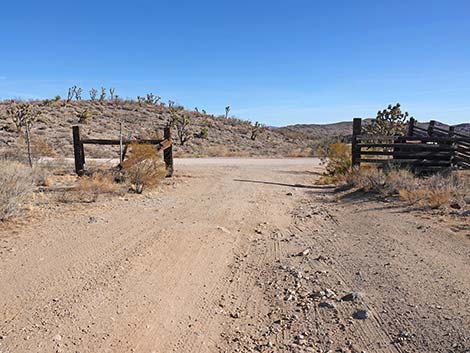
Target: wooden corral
(420, 149)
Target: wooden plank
(410, 146)
(406, 161)
(414, 154)
(118, 142)
(168, 152)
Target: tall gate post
(431, 127)
(78, 151)
(411, 127)
(168, 153)
(356, 150)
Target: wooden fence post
(168, 153)
(356, 151)
(451, 131)
(431, 127)
(78, 151)
(411, 127)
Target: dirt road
(235, 256)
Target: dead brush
(144, 168)
(16, 188)
(434, 192)
(89, 188)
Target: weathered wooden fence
(420, 149)
(164, 144)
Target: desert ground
(236, 255)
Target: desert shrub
(16, 187)
(203, 134)
(337, 160)
(84, 116)
(144, 168)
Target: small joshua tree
(152, 99)
(111, 93)
(389, 122)
(181, 122)
(227, 110)
(204, 112)
(23, 115)
(256, 130)
(171, 104)
(103, 94)
(78, 93)
(71, 93)
(93, 94)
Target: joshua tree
(111, 93)
(181, 122)
(171, 104)
(389, 122)
(152, 99)
(203, 112)
(24, 116)
(93, 94)
(227, 110)
(256, 130)
(78, 93)
(103, 94)
(71, 93)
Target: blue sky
(279, 62)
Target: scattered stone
(235, 315)
(329, 293)
(289, 194)
(327, 304)
(92, 219)
(225, 230)
(361, 314)
(304, 253)
(57, 337)
(352, 297)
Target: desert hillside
(51, 133)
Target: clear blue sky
(279, 62)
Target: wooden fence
(164, 144)
(420, 149)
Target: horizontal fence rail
(421, 149)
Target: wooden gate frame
(164, 144)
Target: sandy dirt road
(235, 256)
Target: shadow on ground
(283, 184)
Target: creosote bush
(337, 160)
(16, 188)
(143, 168)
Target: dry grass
(144, 167)
(89, 188)
(16, 188)
(434, 192)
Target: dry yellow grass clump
(16, 188)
